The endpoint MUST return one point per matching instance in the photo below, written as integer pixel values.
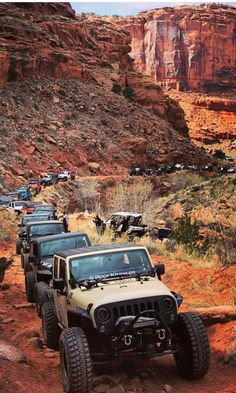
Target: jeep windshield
(31, 218)
(109, 266)
(51, 247)
(47, 229)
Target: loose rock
(23, 305)
(11, 353)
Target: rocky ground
(32, 367)
(211, 119)
(48, 126)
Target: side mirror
(58, 283)
(32, 258)
(160, 270)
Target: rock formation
(47, 40)
(186, 47)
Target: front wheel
(76, 362)
(40, 296)
(193, 356)
(51, 330)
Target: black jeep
(38, 268)
(36, 229)
(22, 227)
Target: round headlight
(168, 304)
(103, 314)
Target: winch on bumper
(150, 335)
(142, 326)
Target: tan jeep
(107, 302)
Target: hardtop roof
(86, 250)
(44, 222)
(42, 239)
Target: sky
(130, 8)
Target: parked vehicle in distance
(30, 207)
(66, 175)
(50, 210)
(35, 185)
(15, 195)
(108, 302)
(33, 218)
(5, 200)
(36, 229)
(17, 206)
(49, 180)
(25, 193)
(228, 158)
(38, 268)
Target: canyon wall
(186, 47)
(48, 40)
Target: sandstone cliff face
(189, 48)
(47, 40)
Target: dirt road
(41, 373)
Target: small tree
(116, 88)
(128, 93)
(218, 153)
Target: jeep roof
(60, 236)
(94, 249)
(45, 222)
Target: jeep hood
(118, 291)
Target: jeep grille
(135, 309)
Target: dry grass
(8, 226)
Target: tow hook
(161, 334)
(127, 339)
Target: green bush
(128, 93)
(116, 88)
(218, 153)
(187, 233)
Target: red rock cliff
(47, 40)
(186, 47)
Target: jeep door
(61, 297)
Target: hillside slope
(58, 108)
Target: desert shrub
(187, 233)
(185, 179)
(8, 226)
(88, 196)
(128, 93)
(218, 153)
(116, 88)
(135, 197)
(226, 246)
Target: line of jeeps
(104, 302)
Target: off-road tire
(30, 282)
(18, 246)
(40, 296)
(193, 358)
(76, 362)
(26, 265)
(51, 330)
(22, 260)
